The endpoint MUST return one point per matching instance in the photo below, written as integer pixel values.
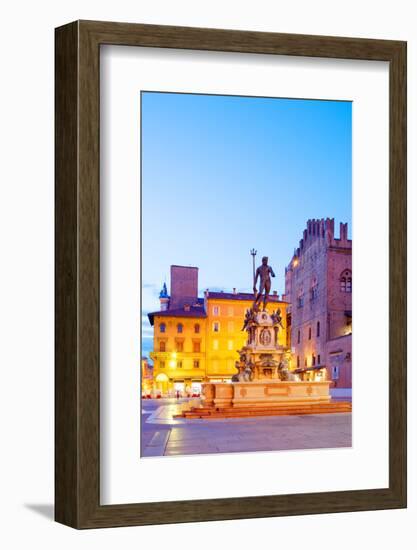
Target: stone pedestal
(265, 394)
(223, 395)
(264, 380)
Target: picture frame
(77, 274)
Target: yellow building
(196, 339)
(147, 377)
(224, 335)
(179, 350)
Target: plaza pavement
(164, 436)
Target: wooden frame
(77, 406)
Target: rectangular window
(298, 360)
(309, 333)
(216, 310)
(318, 329)
(180, 346)
(305, 361)
(196, 347)
(196, 364)
(161, 364)
(335, 373)
(216, 326)
(298, 337)
(313, 360)
(230, 345)
(318, 359)
(162, 346)
(215, 344)
(179, 364)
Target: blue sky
(224, 174)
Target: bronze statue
(264, 272)
(248, 317)
(276, 318)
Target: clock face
(265, 337)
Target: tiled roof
(194, 311)
(247, 296)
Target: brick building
(318, 285)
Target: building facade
(146, 377)
(196, 339)
(318, 285)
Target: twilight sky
(223, 174)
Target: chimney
(234, 290)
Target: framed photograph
(230, 274)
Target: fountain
(264, 383)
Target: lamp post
(253, 254)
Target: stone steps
(282, 410)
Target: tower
(184, 286)
(164, 298)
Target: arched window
(314, 289)
(300, 299)
(179, 328)
(346, 281)
(197, 328)
(162, 327)
(349, 284)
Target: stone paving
(164, 436)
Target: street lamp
(253, 253)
